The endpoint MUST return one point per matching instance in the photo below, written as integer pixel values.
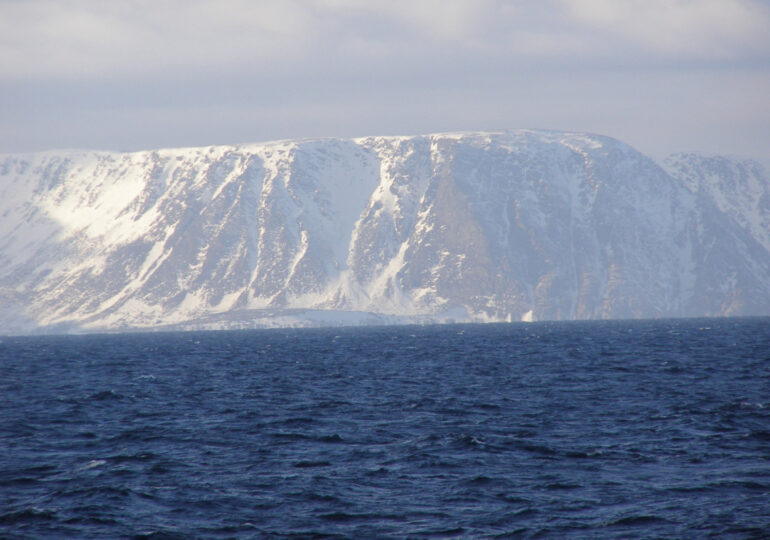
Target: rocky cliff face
(477, 226)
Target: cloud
(76, 39)
(139, 73)
(687, 29)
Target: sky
(661, 75)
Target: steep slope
(530, 222)
(470, 226)
(738, 187)
(732, 234)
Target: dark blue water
(611, 429)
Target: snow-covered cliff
(513, 225)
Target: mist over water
(592, 429)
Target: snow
(739, 188)
(560, 225)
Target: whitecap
(92, 464)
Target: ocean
(631, 429)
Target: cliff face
(478, 226)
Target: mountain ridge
(465, 226)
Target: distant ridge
(498, 226)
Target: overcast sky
(662, 75)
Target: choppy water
(611, 429)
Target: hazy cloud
(352, 67)
(76, 38)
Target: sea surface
(581, 430)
